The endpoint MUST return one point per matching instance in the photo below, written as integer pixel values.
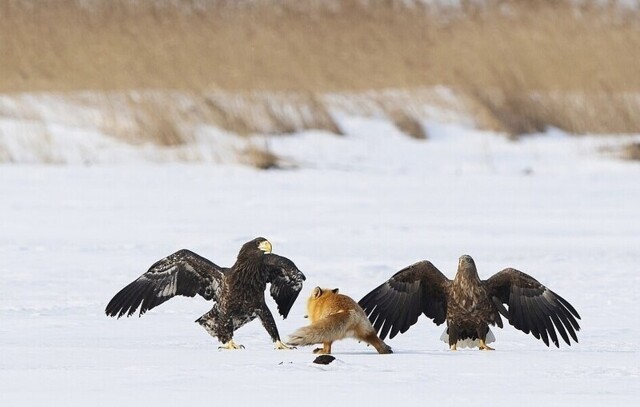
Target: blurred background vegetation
(516, 66)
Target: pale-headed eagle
(469, 305)
(237, 292)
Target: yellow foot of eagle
(231, 345)
(484, 346)
(280, 345)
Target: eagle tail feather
(468, 342)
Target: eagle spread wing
(182, 273)
(285, 279)
(532, 306)
(396, 304)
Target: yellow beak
(265, 246)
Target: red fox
(333, 317)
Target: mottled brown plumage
(469, 305)
(237, 292)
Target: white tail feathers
(467, 343)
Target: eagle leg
(231, 345)
(268, 323)
(482, 338)
(453, 337)
(484, 346)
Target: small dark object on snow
(324, 359)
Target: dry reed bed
(167, 118)
(118, 44)
(278, 67)
(631, 152)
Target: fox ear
(335, 290)
(317, 292)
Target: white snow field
(356, 209)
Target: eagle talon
(231, 345)
(281, 345)
(484, 346)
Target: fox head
(319, 292)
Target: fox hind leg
(369, 336)
(325, 349)
(377, 343)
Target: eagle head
(259, 245)
(264, 245)
(255, 247)
(466, 269)
(466, 261)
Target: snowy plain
(356, 209)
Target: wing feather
(569, 314)
(546, 310)
(182, 273)
(515, 302)
(532, 318)
(286, 281)
(533, 308)
(560, 328)
(395, 305)
(540, 331)
(398, 314)
(413, 311)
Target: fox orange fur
(333, 317)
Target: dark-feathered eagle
(237, 292)
(469, 305)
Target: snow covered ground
(357, 208)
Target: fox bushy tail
(328, 329)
